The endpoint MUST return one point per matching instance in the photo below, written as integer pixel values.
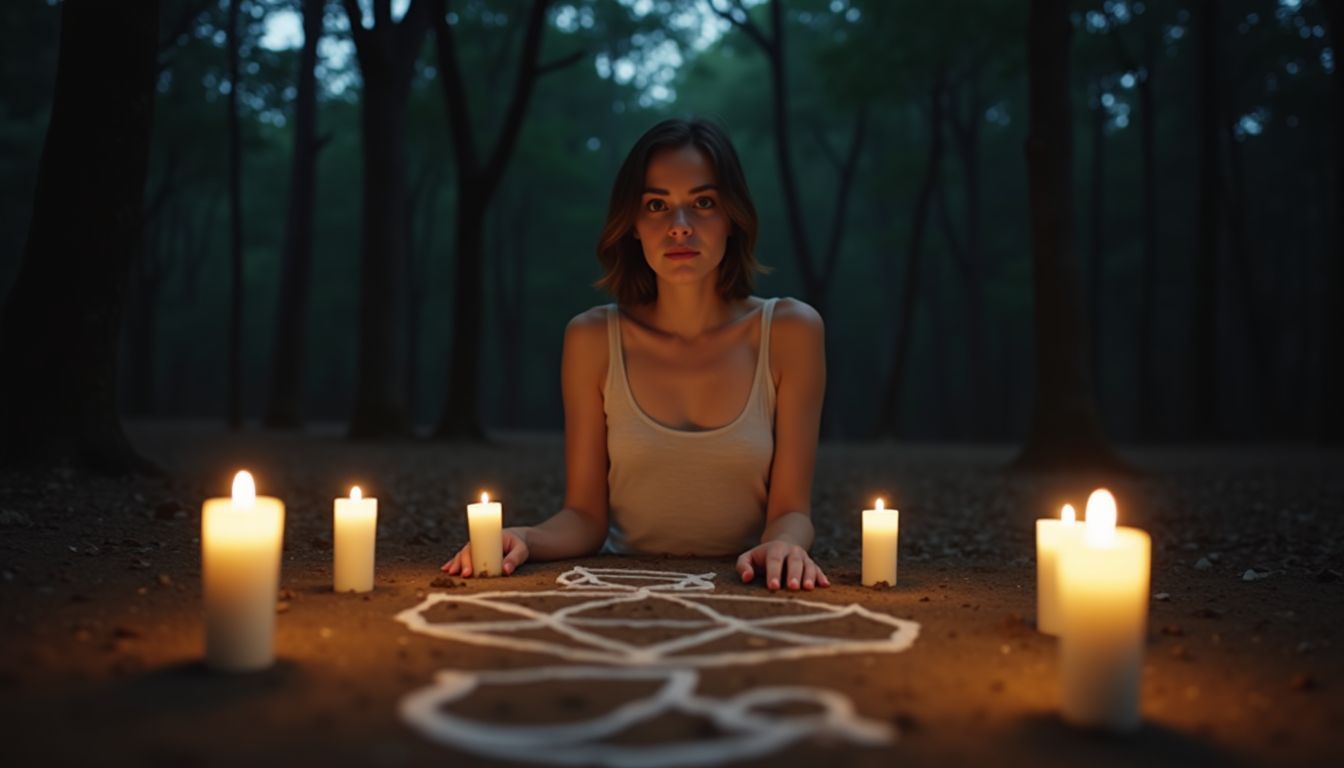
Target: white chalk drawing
(746, 729)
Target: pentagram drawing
(658, 627)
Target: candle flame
(485, 497)
(355, 493)
(244, 490)
(1068, 514)
(1101, 515)
(879, 504)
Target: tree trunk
(387, 53)
(1332, 426)
(1147, 385)
(477, 183)
(61, 324)
(889, 423)
(1206, 396)
(235, 372)
(1253, 317)
(1096, 283)
(288, 358)
(1065, 431)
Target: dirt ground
(100, 656)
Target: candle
(356, 523)
(881, 531)
(1052, 536)
(240, 574)
(484, 521)
(1103, 610)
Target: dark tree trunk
(971, 259)
(425, 199)
(60, 329)
(889, 423)
(141, 325)
(235, 372)
(288, 359)
(1206, 396)
(387, 53)
(1253, 318)
(477, 183)
(1097, 242)
(1065, 431)
(1332, 426)
(510, 279)
(1147, 385)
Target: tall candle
(881, 532)
(1052, 536)
(485, 522)
(1103, 601)
(356, 525)
(240, 574)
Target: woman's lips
(681, 254)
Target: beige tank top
(679, 492)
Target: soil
(100, 656)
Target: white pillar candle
(1052, 536)
(881, 532)
(356, 526)
(485, 521)
(240, 573)
(1103, 601)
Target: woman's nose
(680, 225)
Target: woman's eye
(655, 205)
(704, 202)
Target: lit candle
(1052, 536)
(485, 521)
(881, 531)
(240, 574)
(1103, 610)
(356, 525)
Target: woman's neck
(688, 312)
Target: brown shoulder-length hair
(625, 273)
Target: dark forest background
(389, 228)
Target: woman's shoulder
(588, 329)
(796, 318)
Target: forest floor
(100, 655)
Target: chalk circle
(748, 729)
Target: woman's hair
(625, 273)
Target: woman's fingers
(809, 574)
(795, 567)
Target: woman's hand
(515, 554)
(780, 558)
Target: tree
(235, 387)
(58, 395)
(1333, 426)
(387, 52)
(1204, 324)
(291, 314)
(477, 182)
(1065, 429)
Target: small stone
(1162, 596)
(140, 563)
(1203, 564)
(1171, 630)
(447, 582)
(1178, 651)
(325, 633)
(1252, 575)
(164, 580)
(1209, 613)
(286, 594)
(125, 633)
(1305, 647)
(282, 606)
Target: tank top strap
(615, 361)
(764, 381)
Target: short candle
(1103, 601)
(355, 526)
(485, 523)
(1052, 536)
(881, 532)
(240, 574)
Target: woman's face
(680, 225)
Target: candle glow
(355, 532)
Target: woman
(661, 454)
